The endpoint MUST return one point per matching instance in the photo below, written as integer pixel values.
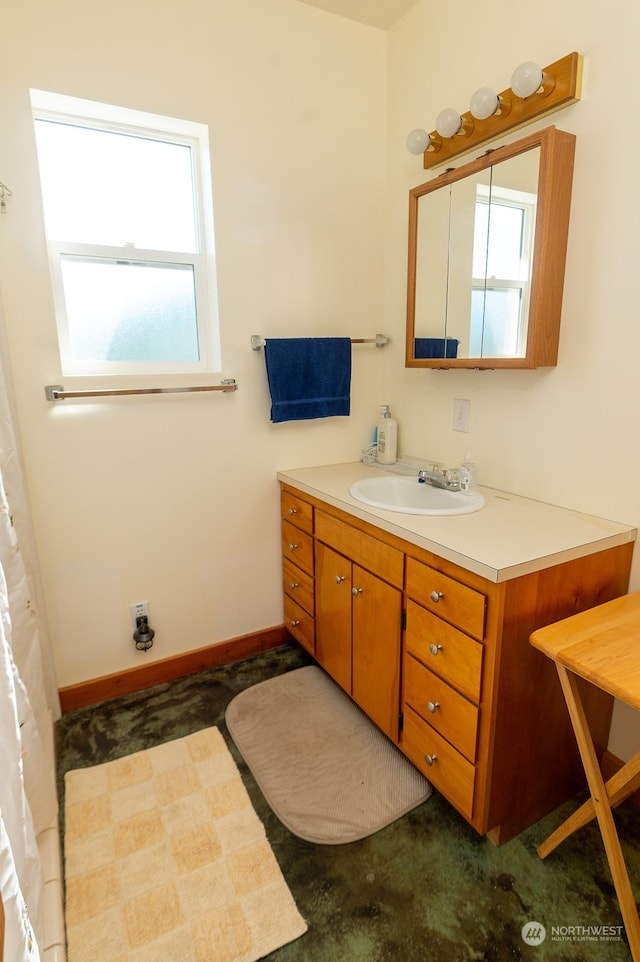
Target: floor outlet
(139, 610)
(461, 408)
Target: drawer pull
(436, 596)
(295, 623)
(292, 547)
(293, 585)
(432, 705)
(356, 591)
(434, 649)
(340, 579)
(430, 759)
(293, 510)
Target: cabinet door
(333, 614)
(376, 616)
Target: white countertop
(509, 537)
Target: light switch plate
(461, 408)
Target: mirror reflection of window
(502, 257)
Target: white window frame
(85, 113)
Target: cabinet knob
(434, 649)
(432, 705)
(340, 579)
(293, 510)
(292, 547)
(436, 596)
(430, 759)
(293, 585)
(295, 623)
(356, 591)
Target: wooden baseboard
(157, 672)
(609, 765)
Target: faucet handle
(454, 479)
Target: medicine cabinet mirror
(487, 249)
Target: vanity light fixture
(418, 141)
(448, 122)
(533, 94)
(526, 79)
(484, 103)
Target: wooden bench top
(601, 645)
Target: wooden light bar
(560, 87)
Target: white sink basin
(409, 496)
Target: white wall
(569, 434)
(174, 499)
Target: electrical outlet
(461, 414)
(139, 610)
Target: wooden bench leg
(624, 783)
(602, 809)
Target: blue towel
(435, 347)
(309, 377)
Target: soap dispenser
(470, 465)
(387, 436)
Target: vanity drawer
(298, 584)
(379, 558)
(297, 546)
(297, 511)
(441, 707)
(444, 650)
(300, 623)
(458, 604)
(449, 772)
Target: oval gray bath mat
(326, 771)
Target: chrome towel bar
(257, 341)
(56, 392)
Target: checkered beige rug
(166, 859)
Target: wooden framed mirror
(486, 261)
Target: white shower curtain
(28, 705)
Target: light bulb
(526, 79)
(448, 122)
(418, 141)
(484, 103)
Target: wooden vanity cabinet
(359, 583)
(298, 568)
(469, 701)
(443, 664)
(484, 717)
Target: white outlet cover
(139, 609)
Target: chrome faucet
(450, 479)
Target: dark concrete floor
(426, 888)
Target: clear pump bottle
(471, 467)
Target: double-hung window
(129, 223)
